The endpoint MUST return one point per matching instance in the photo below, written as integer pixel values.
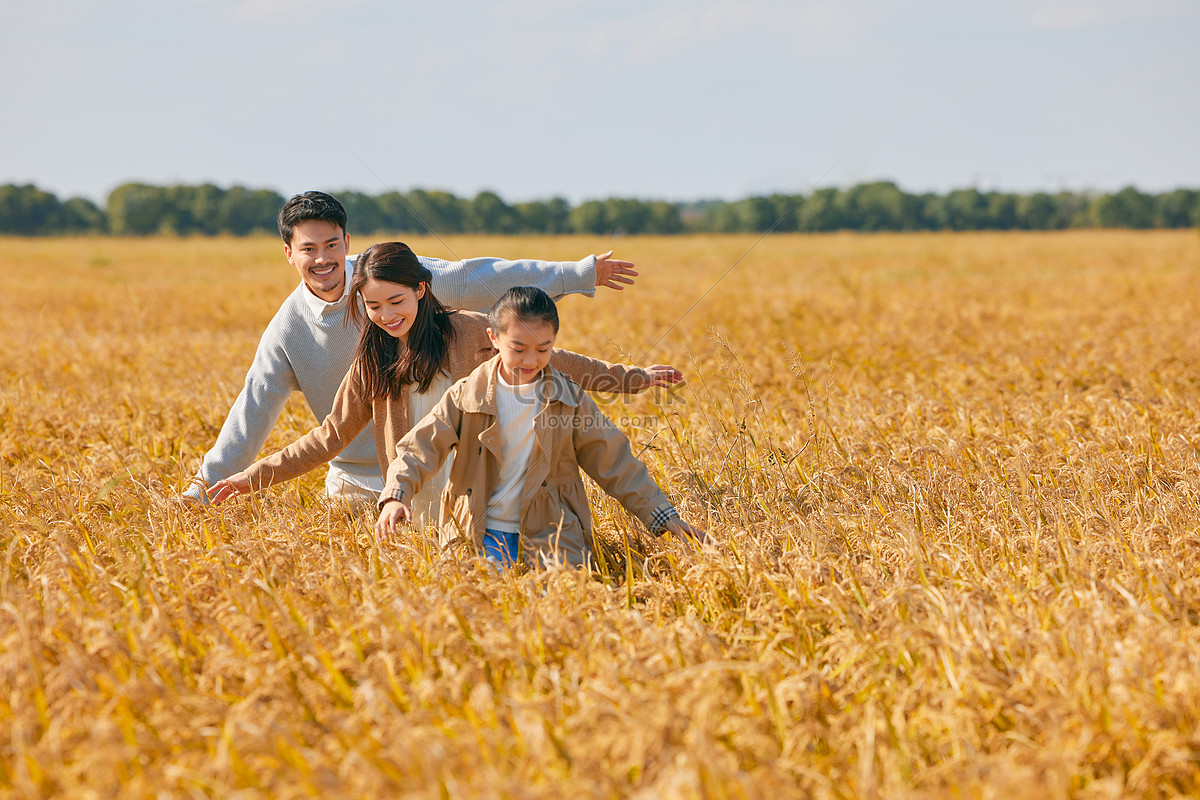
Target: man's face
(318, 252)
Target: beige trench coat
(570, 433)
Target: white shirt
(516, 406)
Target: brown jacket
(570, 432)
(352, 409)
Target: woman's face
(392, 306)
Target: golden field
(954, 480)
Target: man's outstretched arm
(269, 382)
(476, 283)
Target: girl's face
(525, 348)
(392, 306)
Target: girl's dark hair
(387, 363)
(525, 303)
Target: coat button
(543, 483)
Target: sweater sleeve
(420, 454)
(350, 414)
(603, 452)
(477, 283)
(269, 382)
(596, 375)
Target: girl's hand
(683, 530)
(222, 490)
(661, 375)
(390, 516)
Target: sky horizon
(660, 99)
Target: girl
(522, 431)
(411, 354)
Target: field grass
(954, 480)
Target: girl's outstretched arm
(598, 375)
(683, 530)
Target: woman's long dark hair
(386, 362)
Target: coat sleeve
(351, 412)
(596, 375)
(477, 283)
(603, 452)
(420, 454)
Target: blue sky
(651, 99)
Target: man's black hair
(306, 206)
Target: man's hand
(612, 273)
(682, 530)
(390, 516)
(222, 490)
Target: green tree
(362, 212)
(1072, 210)
(822, 212)
(544, 216)
(1001, 212)
(756, 214)
(875, 206)
(965, 210)
(664, 218)
(136, 209)
(243, 211)
(721, 217)
(395, 214)
(1128, 208)
(489, 214)
(1035, 212)
(1177, 209)
(29, 211)
(929, 211)
(589, 217)
(626, 216)
(786, 209)
(81, 215)
(439, 212)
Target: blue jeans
(500, 547)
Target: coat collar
(478, 394)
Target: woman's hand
(222, 490)
(661, 376)
(390, 516)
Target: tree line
(138, 209)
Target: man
(308, 348)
